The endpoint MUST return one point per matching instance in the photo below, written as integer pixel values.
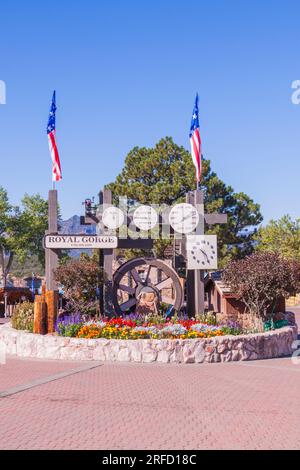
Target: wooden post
(106, 262)
(199, 274)
(40, 316)
(195, 279)
(51, 255)
(44, 291)
(52, 309)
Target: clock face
(202, 252)
(184, 218)
(145, 217)
(113, 217)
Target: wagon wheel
(129, 283)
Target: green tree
(165, 173)
(8, 216)
(280, 236)
(21, 230)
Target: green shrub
(22, 318)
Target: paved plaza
(88, 405)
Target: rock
(226, 357)
(136, 350)
(215, 357)
(189, 359)
(98, 353)
(222, 347)
(253, 356)
(199, 352)
(163, 356)
(244, 355)
(177, 355)
(235, 355)
(149, 356)
(188, 352)
(123, 355)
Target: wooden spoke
(129, 289)
(136, 276)
(128, 304)
(148, 274)
(166, 283)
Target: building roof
(216, 279)
(15, 294)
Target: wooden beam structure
(106, 263)
(195, 278)
(51, 255)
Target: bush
(22, 318)
(260, 279)
(80, 279)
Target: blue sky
(126, 73)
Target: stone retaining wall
(276, 343)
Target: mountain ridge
(73, 226)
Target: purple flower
(67, 320)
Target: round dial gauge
(145, 217)
(184, 218)
(113, 217)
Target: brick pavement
(245, 405)
(250, 405)
(21, 371)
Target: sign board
(69, 242)
(201, 252)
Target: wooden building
(14, 295)
(220, 298)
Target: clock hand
(205, 254)
(185, 217)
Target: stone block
(163, 356)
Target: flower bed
(134, 327)
(223, 348)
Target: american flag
(195, 140)
(56, 169)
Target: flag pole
(198, 184)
